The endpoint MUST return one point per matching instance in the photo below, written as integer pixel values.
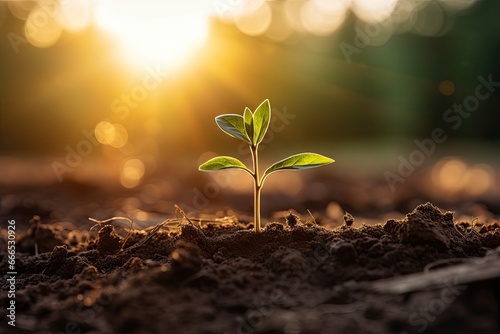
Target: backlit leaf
(261, 119)
(222, 162)
(233, 125)
(248, 119)
(300, 161)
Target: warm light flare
(453, 176)
(160, 32)
(166, 32)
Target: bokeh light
(255, 22)
(446, 87)
(479, 179)
(449, 174)
(21, 9)
(322, 18)
(42, 29)
(430, 20)
(454, 177)
(165, 32)
(403, 17)
(132, 173)
(279, 30)
(114, 135)
(374, 11)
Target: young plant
(251, 128)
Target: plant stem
(257, 188)
(257, 208)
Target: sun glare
(160, 32)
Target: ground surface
(425, 273)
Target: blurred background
(107, 106)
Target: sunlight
(160, 32)
(374, 11)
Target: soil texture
(426, 273)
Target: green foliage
(223, 162)
(299, 161)
(248, 118)
(233, 125)
(251, 128)
(261, 120)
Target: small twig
(152, 233)
(310, 214)
(179, 210)
(224, 220)
(103, 222)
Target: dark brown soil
(294, 277)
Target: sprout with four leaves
(251, 128)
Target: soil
(426, 273)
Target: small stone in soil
(292, 219)
(348, 219)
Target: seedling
(251, 128)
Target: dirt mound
(294, 277)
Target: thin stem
(257, 188)
(257, 208)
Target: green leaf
(299, 161)
(261, 119)
(223, 162)
(233, 125)
(248, 118)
